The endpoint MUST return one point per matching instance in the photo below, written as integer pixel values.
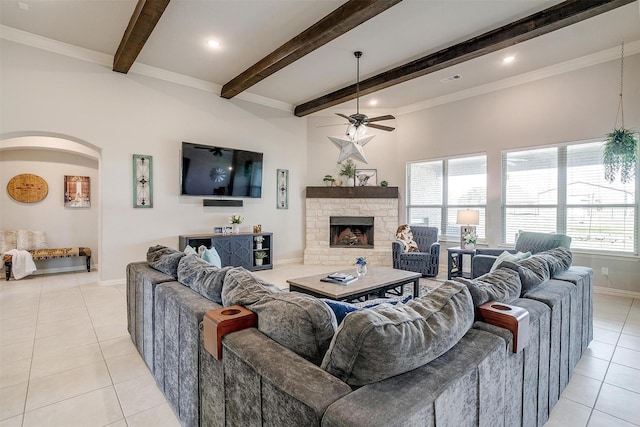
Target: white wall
(64, 227)
(575, 106)
(121, 115)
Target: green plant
(260, 254)
(348, 169)
(236, 219)
(620, 155)
(327, 178)
(384, 183)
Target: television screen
(220, 171)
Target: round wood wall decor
(27, 188)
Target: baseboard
(615, 292)
(70, 269)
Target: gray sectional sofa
(427, 362)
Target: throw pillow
(502, 285)
(508, 256)
(27, 240)
(164, 259)
(188, 250)
(381, 342)
(211, 256)
(7, 241)
(405, 236)
(342, 308)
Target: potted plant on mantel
(348, 169)
(328, 180)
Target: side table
(454, 261)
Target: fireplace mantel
(352, 192)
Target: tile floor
(66, 358)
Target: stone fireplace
(342, 223)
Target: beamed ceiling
(300, 52)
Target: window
(563, 189)
(437, 189)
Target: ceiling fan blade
(325, 126)
(346, 117)
(379, 118)
(381, 127)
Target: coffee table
(376, 282)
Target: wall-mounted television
(219, 171)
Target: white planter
(259, 261)
(350, 182)
(258, 245)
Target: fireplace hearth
(351, 231)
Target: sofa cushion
(164, 259)
(380, 342)
(299, 322)
(502, 285)
(342, 308)
(558, 259)
(202, 277)
(241, 287)
(533, 271)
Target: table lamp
(467, 219)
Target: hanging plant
(620, 155)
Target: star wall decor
(349, 148)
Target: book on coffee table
(339, 278)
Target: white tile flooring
(66, 358)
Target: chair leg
(7, 269)
(89, 263)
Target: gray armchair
(528, 241)
(426, 261)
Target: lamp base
(464, 229)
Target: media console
(236, 249)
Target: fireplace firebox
(351, 231)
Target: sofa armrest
(303, 389)
(435, 249)
(493, 251)
(396, 251)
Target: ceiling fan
(358, 122)
(213, 150)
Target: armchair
(528, 241)
(426, 261)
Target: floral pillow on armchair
(405, 235)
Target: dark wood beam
(546, 21)
(142, 22)
(345, 18)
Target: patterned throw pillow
(405, 235)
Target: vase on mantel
(470, 246)
(235, 228)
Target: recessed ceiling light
(508, 59)
(373, 102)
(213, 44)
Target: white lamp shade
(468, 217)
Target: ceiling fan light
(351, 131)
(361, 131)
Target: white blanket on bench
(22, 263)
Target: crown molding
(564, 67)
(44, 43)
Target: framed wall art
(142, 181)
(283, 189)
(366, 177)
(77, 191)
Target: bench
(41, 254)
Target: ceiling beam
(345, 18)
(546, 21)
(142, 22)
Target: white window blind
(437, 189)
(562, 189)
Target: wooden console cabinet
(237, 250)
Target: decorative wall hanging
(142, 181)
(27, 188)
(283, 189)
(366, 177)
(77, 191)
